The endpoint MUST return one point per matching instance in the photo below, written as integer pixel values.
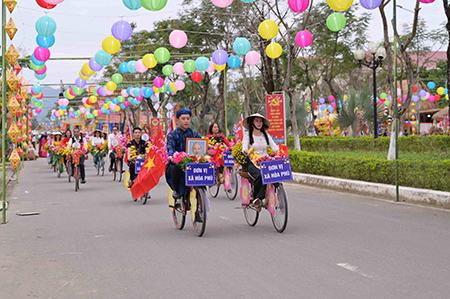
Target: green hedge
(413, 144)
(413, 173)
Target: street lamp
(375, 59)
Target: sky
(82, 25)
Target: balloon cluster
(328, 104)
(36, 98)
(48, 4)
(46, 28)
(152, 5)
(434, 94)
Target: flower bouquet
(76, 156)
(181, 159)
(238, 155)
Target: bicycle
(59, 166)
(117, 166)
(100, 165)
(76, 157)
(68, 167)
(194, 199)
(229, 179)
(138, 165)
(276, 201)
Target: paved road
(99, 244)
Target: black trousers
(175, 178)
(132, 170)
(82, 170)
(259, 190)
(112, 159)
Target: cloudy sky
(82, 24)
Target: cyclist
(78, 142)
(136, 148)
(257, 138)
(214, 133)
(97, 141)
(113, 142)
(67, 137)
(176, 142)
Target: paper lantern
(13, 105)
(11, 29)
(10, 4)
(340, 5)
(153, 5)
(14, 159)
(12, 55)
(13, 132)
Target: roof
(441, 114)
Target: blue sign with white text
(228, 160)
(200, 174)
(276, 171)
(138, 165)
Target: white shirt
(259, 144)
(97, 140)
(76, 143)
(113, 141)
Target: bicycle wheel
(103, 166)
(199, 222)
(69, 171)
(114, 169)
(76, 176)
(232, 193)
(251, 215)
(98, 168)
(179, 214)
(145, 198)
(120, 170)
(281, 215)
(214, 190)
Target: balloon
(94, 65)
(36, 67)
(252, 58)
(202, 64)
(132, 4)
(43, 71)
(167, 70)
(220, 57)
(241, 46)
(45, 41)
(430, 85)
(162, 55)
(222, 3)
(45, 4)
(87, 70)
(153, 5)
(132, 66)
(189, 66)
(440, 91)
(103, 58)
(111, 45)
(426, 1)
(196, 77)
(234, 62)
(304, 39)
(336, 22)
(274, 50)
(422, 93)
(45, 26)
(158, 82)
(148, 92)
(111, 86)
(78, 91)
(248, 1)
(149, 61)
(122, 30)
(93, 99)
(370, 4)
(42, 54)
(178, 69)
(340, 5)
(298, 6)
(178, 39)
(40, 77)
(415, 98)
(37, 61)
(140, 67)
(220, 68)
(210, 68)
(268, 29)
(179, 85)
(117, 78)
(383, 96)
(123, 68)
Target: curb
(407, 194)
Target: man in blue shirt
(176, 142)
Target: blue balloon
(115, 101)
(123, 68)
(122, 106)
(202, 64)
(40, 77)
(103, 58)
(446, 91)
(234, 62)
(241, 45)
(148, 92)
(36, 89)
(136, 91)
(36, 61)
(45, 41)
(132, 67)
(45, 26)
(248, 1)
(132, 4)
(431, 85)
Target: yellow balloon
(172, 87)
(91, 89)
(111, 86)
(87, 70)
(149, 61)
(155, 89)
(83, 76)
(95, 112)
(274, 50)
(111, 45)
(219, 68)
(70, 97)
(340, 5)
(117, 108)
(268, 29)
(93, 99)
(440, 91)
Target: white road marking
(354, 269)
(224, 218)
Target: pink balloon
(43, 71)
(42, 54)
(126, 103)
(426, 1)
(158, 82)
(252, 58)
(304, 38)
(210, 69)
(124, 93)
(112, 106)
(222, 3)
(178, 69)
(180, 85)
(82, 110)
(178, 39)
(298, 5)
(54, 2)
(140, 67)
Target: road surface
(97, 243)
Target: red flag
(150, 174)
(240, 129)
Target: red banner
(275, 111)
(155, 127)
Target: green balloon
(117, 78)
(336, 22)
(36, 67)
(121, 99)
(167, 70)
(162, 55)
(189, 66)
(77, 90)
(153, 5)
(163, 89)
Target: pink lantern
(426, 1)
(222, 3)
(140, 67)
(158, 82)
(180, 85)
(42, 54)
(178, 69)
(252, 58)
(178, 39)
(43, 71)
(304, 38)
(298, 6)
